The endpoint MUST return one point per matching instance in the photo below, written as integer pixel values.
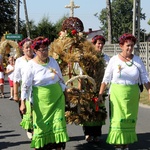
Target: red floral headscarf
(127, 36)
(23, 42)
(40, 41)
(98, 37)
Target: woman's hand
(23, 107)
(100, 98)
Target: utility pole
(109, 18)
(27, 20)
(17, 16)
(136, 24)
(72, 6)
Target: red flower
(95, 99)
(74, 32)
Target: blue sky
(55, 9)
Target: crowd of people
(37, 84)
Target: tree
(122, 16)
(59, 23)
(46, 28)
(7, 16)
(32, 27)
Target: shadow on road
(6, 145)
(10, 133)
(142, 144)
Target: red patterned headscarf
(23, 42)
(40, 41)
(127, 36)
(98, 37)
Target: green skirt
(49, 124)
(26, 122)
(124, 102)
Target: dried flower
(119, 70)
(53, 71)
(71, 34)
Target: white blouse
(11, 74)
(39, 75)
(20, 66)
(127, 73)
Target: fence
(113, 49)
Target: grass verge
(144, 98)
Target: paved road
(13, 137)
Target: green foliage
(7, 16)
(59, 23)
(46, 28)
(122, 16)
(32, 27)
(144, 98)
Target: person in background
(124, 71)
(10, 73)
(93, 132)
(44, 77)
(99, 42)
(1, 77)
(20, 66)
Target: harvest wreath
(71, 48)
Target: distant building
(91, 34)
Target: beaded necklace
(28, 59)
(130, 62)
(43, 64)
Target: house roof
(91, 33)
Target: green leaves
(7, 17)
(122, 16)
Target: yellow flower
(119, 68)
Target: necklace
(27, 58)
(41, 62)
(130, 61)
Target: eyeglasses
(43, 50)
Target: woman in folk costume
(99, 42)
(20, 65)
(93, 131)
(124, 72)
(48, 98)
